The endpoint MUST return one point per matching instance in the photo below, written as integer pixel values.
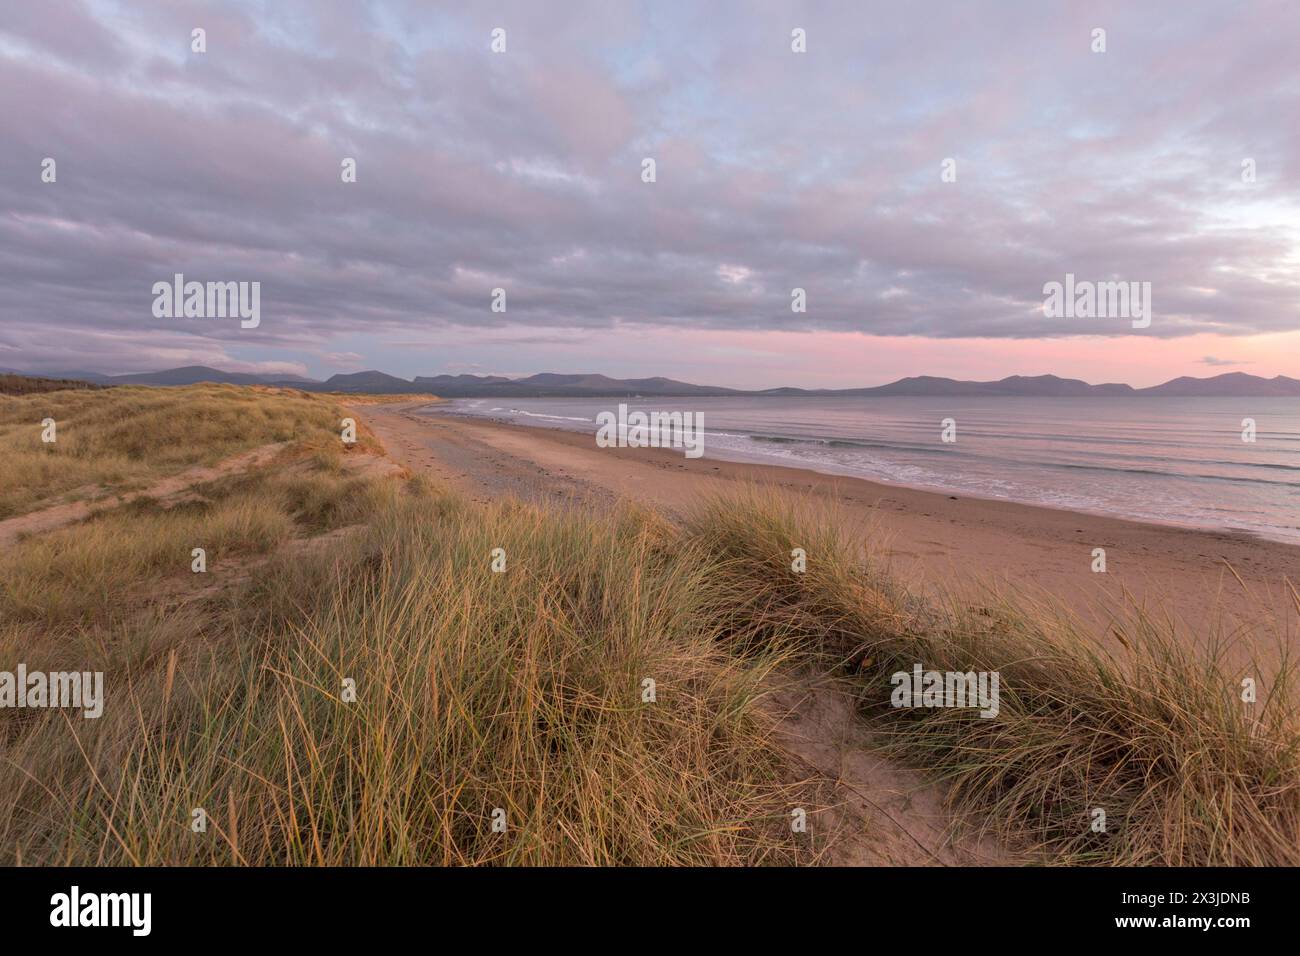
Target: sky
(921, 171)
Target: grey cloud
(818, 171)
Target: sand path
(58, 516)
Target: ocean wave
(1175, 474)
(557, 418)
(843, 443)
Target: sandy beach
(939, 540)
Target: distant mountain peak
(596, 385)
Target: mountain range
(551, 384)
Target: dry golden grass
(122, 438)
(86, 572)
(475, 690)
(1156, 735)
(522, 690)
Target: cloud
(342, 359)
(522, 170)
(1218, 362)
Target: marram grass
(518, 694)
(1153, 733)
(351, 683)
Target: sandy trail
(58, 516)
(880, 812)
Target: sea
(1180, 461)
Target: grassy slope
(120, 438)
(1156, 735)
(522, 690)
(475, 690)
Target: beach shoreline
(973, 547)
(1181, 467)
(733, 457)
